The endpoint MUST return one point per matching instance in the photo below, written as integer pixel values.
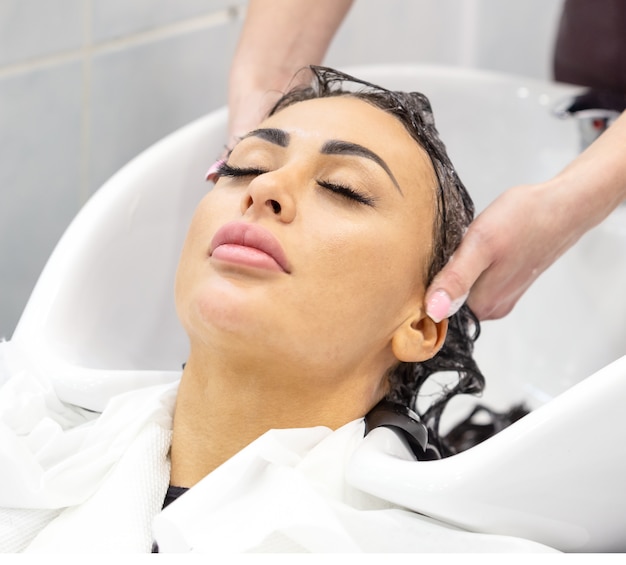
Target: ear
(419, 338)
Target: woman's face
(312, 249)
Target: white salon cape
(77, 479)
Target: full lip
(250, 235)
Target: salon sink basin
(104, 304)
(556, 475)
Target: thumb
(451, 286)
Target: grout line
(469, 33)
(89, 50)
(41, 62)
(85, 129)
(171, 30)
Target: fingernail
(213, 172)
(438, 305)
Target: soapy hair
(454, 210)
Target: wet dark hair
(454, 210)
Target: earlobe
(418, 339)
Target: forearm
(279, 37)
(596, 179)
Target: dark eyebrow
(273, 135)
(333, 147)
(338, 147)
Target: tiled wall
(85, 85)
(499, 35)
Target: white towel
(76, 480)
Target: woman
(301, 287)
(371, 241)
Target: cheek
(183, 286)
(219, 202)
(382, 250)
(193, 255)
(214, 210)
(377, 269)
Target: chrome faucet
(594, 111)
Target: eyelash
(227, 170)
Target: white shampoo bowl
(104, 304)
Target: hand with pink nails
(505, 249)
(527, 228)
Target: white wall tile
(513, 37)
(35, 28)
(142, 93)
(414, 31)
(116, 18)
(40, 155)
(517, 37)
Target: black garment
(170, 496)
(590, 48)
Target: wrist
(253, 91)
(585, 194)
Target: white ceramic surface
(556, 476)
(104, 303)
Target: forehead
(339, 115)
(351, 119)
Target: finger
(213, 172)
(495, 294)
(452, 285)
(440, 305)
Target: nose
(270, 193)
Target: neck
(224, 405)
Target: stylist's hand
(527, 228)
(504, 250)
(279, 39)
(248, 107)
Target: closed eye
(347, 192)
(226, 170)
